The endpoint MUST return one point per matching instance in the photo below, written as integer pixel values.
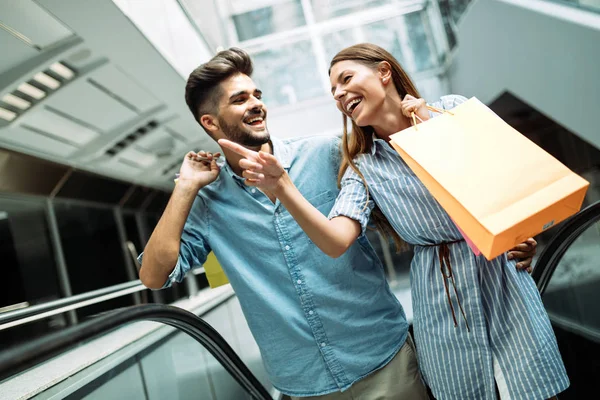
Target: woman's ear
(385, 72)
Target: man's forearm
(162, 250)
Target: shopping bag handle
(431, 108)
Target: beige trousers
(399, 379)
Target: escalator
(567, 275)
(18, 359)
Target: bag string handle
(430, 108)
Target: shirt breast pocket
(323, 201)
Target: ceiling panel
(41, 143)
(86, 102)
(161, 143)
(122, 168)
(187, 128)
(14, 51)
(137, 158)
(112, 78)
(59, 126)
(33, 22)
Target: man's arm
(162, 250)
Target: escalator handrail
(73, 302)
(560, 243)
(26, 355)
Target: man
(325, 327)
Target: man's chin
(257, 139)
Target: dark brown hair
(361, 138)
(202, 91)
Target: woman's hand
(261, 169)
(412, 104)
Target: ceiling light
(47, 80)
(16, 101)
(31, 90)
(62, 70)
(7, 114)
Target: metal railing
(560, 243)
(29, 354)
(22, 316)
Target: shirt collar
(376, 140)
(280, 151)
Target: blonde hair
(360, 141)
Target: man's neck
(233, 159)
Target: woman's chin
(361, 122)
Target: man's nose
(257, 103)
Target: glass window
(326, 9)
(86, 186)
(387, 34)
(166, 26)
(287, 74)
(26, 253)
(420, 40)
(336, 41)
(132, 231)
(454, 9)
(267, 20)
(28, 267)
(93, 252)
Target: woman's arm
(264, 171)
(333, 236)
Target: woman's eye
(347, 78)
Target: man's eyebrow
(243, 92)
(236, 94)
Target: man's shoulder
(312, 140)
(312, 145)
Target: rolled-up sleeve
(193, 248)
(447, 103)
(353, 201)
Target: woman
(479, 325)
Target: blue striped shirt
(510, 342)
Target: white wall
(549, 57)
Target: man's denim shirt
(321, 323)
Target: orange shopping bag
(499, 187)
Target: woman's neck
(390, 118)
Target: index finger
(241, 150)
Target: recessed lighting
(31, 90)
(7, 114)
(62, 70)
(16, 101)
(47, 80)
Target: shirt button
(287, 247)
(310, 312)
(323, 344)
(253, 190)
(299, 281)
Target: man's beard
(245, 137)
